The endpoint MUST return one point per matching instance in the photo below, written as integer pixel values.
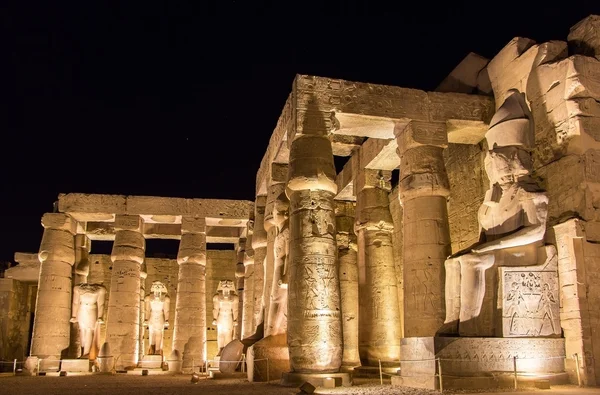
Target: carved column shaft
(348, 272)
(424, 189)
(51, 327)
(123, 322)
(259, 244)
(379, 316)
(314, 319)
(189, 333)
(248, 302)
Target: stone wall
(220, 265)
(468, 184)
(15, 320)
(397, 239)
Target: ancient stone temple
(448, 236)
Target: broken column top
(584, 37)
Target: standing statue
(279, 294)
(88, 311)
(225, 313)
(512, 221)
(157, 304)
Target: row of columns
(51, 330)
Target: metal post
(15, 367)
(577, 368)
(515, 370)
(380, 374)
(439, 364)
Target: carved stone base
(475, 357)
(372, 372)
(152, 362)
(292, 379)
(75, 365)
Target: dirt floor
(130, 384)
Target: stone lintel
(129, 222)
(193, 225)
(93, 207)
(417, 134)
(105, 231)
(345, 180)
(379, 154)
(27, 270)
(345, 145)
(372, 178)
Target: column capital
(129, 222)
(193, 225)
(59, 221)
(420, 133)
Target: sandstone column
(123, 321)
(379, 317)
(348, 272)
(314, 320)
(189, 333)
(51, 325)
(248, 300)
(259, 244)
(424, 189)
(239, 277)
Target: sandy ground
(181, 384)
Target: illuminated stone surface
(88, 313)
(225, 312)
(189, 334)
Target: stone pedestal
(314, 319)
(316, 379)
(75, 365)
(152, 362)
(189, 333)
(51, 327)
(123, 322)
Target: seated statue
(88, 311)
(225, 313)
(157, 304)
(512, 223)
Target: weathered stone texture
(584, 37)
(220, 265)
(397, 240)
(100, 270)
(14, 320)
(468, 184)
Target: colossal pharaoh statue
(157, 304)
(278, 307)
(225, 313)
(88, 312)
(512, 223)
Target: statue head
(158, 288)
(226, 286)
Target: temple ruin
(460, 242)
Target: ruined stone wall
(15, 319)
(220, 265)
(468, 184)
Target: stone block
(193, 225)
(417, 134)
(59, 221)
(152, 362)
(128, 222)
(75, 365)
(464, 77)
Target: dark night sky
(166, 100)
